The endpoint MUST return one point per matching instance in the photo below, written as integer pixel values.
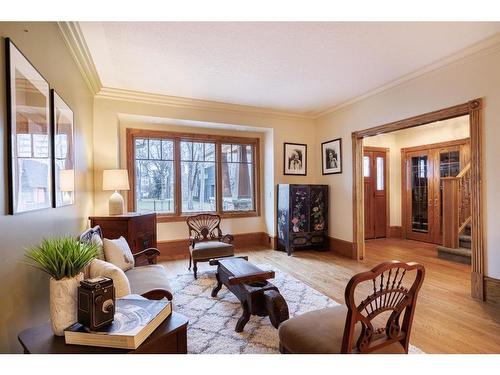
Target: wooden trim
(178, 249)
(471, 108)
(132, 133)
(455, 142)
(341, 247)
(358, 227)
(492, 290)
(395, 232)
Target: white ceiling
(302, 67)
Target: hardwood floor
(447, 319)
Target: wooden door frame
(387, 183)
(472, 108)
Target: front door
(375, 185)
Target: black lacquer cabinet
(302, 217)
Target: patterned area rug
(212, 320)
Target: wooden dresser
(138, 229)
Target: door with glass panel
(375, 188)
(419, 195)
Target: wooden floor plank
(447, 319)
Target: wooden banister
(456, 206)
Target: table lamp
(115, 179)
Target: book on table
(135, 319)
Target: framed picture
(295, 159)
(28, 132)
(63, 151)
(331, 155)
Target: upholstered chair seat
(321, 332)
(378, 324)
(145, 278)
(211, 249)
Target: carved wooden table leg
(276, 307)
(244, 318)
(218, 286)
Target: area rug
(212, 320)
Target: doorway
(376, 198)
(471, 108)
(425, 168)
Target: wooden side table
(169, 338)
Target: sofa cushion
(211, 249)
(120, 281)
(145, 278)
(118, 252)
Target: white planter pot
(63, 302)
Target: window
(380, 173)
(154, 175)
(177, 174)
(236, 164)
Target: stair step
(464, 241)
(467, 230)
(460, 255)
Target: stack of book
(135, 319)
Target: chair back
(390, 293)
(204, 227)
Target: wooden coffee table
(249, 284)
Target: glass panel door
(419, 177)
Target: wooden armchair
(352, 328)
(148, 280)
(206, 240)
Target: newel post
(450, 212)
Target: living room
(239, 121)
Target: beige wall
(24, 290)
(108, 153)
(440, 131)
(476, 76)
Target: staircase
(462, 254)
(457, 217)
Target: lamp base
(116, 204)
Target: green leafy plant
(61, 257)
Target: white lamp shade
(67, 180)
(115, 179)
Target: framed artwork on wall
(63, 151)
(295, 159)
(29, 134)
(331, 156)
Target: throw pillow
(97, 240)
(120, 281)
(118, 252)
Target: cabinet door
(299, 217)
(419, 195)
(319, 212)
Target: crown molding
(75, 41)
(483, 48)
(194, 104)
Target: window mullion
(218, 174)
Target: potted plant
(64, 260)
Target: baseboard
(492, 290)
(395, 232)
(178, 249)
(341, 247)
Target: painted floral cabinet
(302, 217)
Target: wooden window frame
(177, 137)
